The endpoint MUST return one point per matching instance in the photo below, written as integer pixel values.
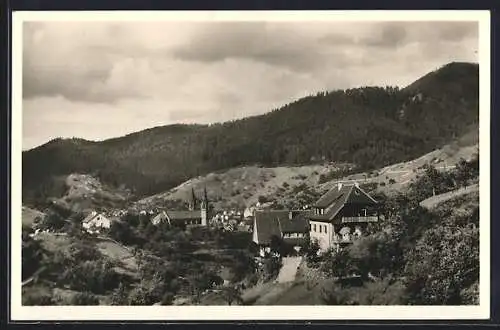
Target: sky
(97, 80)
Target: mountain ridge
(369, 126)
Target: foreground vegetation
(413, 256)
(169, 263)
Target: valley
(168, 216)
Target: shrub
(41, 296)
(84, 299)
(95, 276)
(168, 298)
(262, 199)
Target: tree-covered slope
(369, 126)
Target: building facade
(341, 216)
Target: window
(320, 227)
(314, 227)
(325, 229)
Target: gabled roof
(90, 217)
(275, 222)
(335, 199)
(266, 226)
(298, 224)
(160, 217)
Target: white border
(173, 313)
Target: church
(197, 215)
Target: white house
(95, 221)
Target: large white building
(342, 215)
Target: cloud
(101, 79)
(277, 44)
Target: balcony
(360, 219)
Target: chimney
(290, 214)
(339, 185)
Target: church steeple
(193, 204)
(204, 208)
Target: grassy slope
(29, 215)
(243, 185)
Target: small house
(292, 227)
(96, 221)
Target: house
(191, 217)
(342, 215)
(95, 221)
(290, 226)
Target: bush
(382, 292)
(94, 276)
(120, 296)
(84, 299)
(41, 296)
(168, 298)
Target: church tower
(204, 209)
(193, 202)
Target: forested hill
(369, 126)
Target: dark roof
(274, 223)
(333, 195)
(266, 226)
(298, 224)
(183, 215)
(335, 199)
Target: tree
(32, 254)
(119, 296)
(466, 171)
(52, 221)
(444, 261)
(311, 251)
(271, 268)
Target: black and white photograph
(275, 164)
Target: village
(333, 222)
(261, 254)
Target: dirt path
(289, 269)
(435, 200)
